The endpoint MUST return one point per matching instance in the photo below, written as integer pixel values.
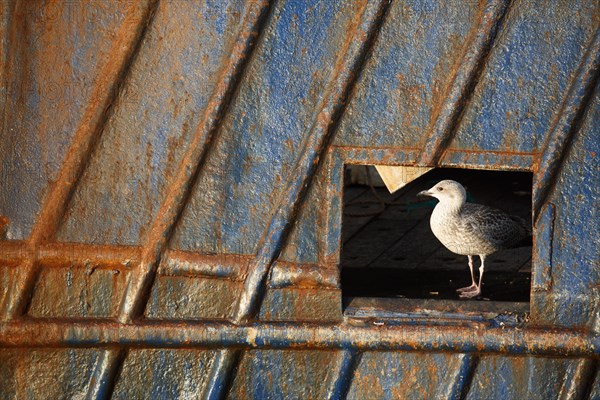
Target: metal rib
(353, 334)
(138, 289)
(348, 69)
(567, 123)
(463, 82)
(350, 362)
(110, 78)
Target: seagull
(472, 229)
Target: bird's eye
(440, 189)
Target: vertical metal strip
(567, 123)
(141, 280)
(110, 77)
(543, 248)
(463, 82)
(350, 362)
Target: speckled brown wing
(493, 226)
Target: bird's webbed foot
(469, 294)
(471, 288)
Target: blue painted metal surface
(152, 122)
(171, 194)
(42, 108)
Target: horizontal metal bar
(352, 334)
(181, 263)
(80, 255)
(287, 274)
(69, 254)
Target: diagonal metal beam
(462, 82)
(142, 278)
(567, 123)
(109, 79)
(350, 362)
(316, 144)
(138, 289)
(347, 70)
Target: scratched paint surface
(403, 375)
(43, 106)
(499, 377)
(46, 48)
(78, 292)
(268, 121)
(45, 373)
(306, 242)
(163, 374)
(285, 375)
(155, 116)
(575, 272)
(405, 79)
(304, 304)
(527, 76)
(192, 298)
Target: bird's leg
(473, 284)
(477, 291)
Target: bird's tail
(527, 238)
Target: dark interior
(389, 250)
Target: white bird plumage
(472, 229)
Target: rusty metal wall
(171, 187)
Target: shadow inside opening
(389, 250)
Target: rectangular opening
(389, 250)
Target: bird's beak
(425, 193)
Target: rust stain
(191, 160)
(534, 340)
(4, 221)
(78, 154)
